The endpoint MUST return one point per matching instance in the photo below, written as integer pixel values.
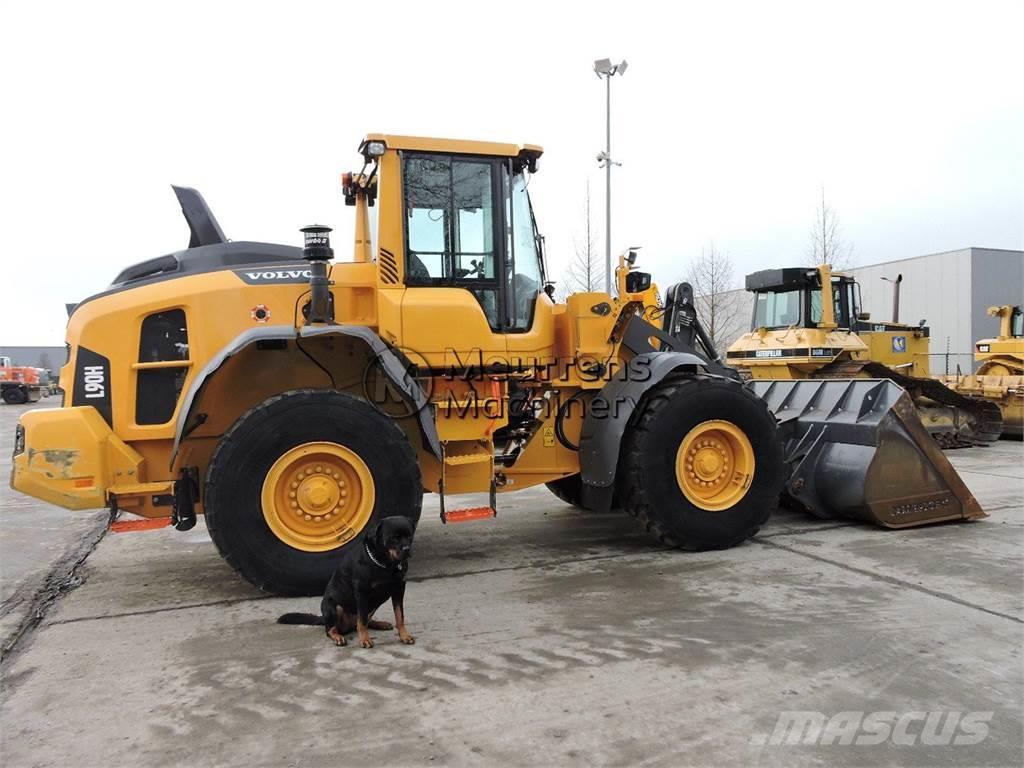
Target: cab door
(453, 306)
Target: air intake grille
(388, 267)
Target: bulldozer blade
(856, 448)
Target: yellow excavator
(294, 400)
(1000, 375)
(801, 331)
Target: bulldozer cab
(1011, 321)
(803, 319)
(796, 298)
(806, 318)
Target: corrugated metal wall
(935, 288)
(997, 278)
(951, 292)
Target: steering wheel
(478, 270)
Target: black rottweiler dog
(371, 570)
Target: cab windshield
(1017, 324)
(524, 271)
(777, 309)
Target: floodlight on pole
(604, 68)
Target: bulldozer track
(982, 423)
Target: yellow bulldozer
(801, 331)
(1000, 375)
(293, 399)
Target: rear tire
(568, 489)
(648, 481)
(235, 497)
(15, 396)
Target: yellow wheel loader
(801, 331)
(293, 399)
(1000, 377)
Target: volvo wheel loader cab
(999, 377)
(294, 399)
(807, 323)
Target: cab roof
(455, 146)
(789, 278)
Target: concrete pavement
(40, 544)
(548, 636)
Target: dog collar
(374, 560)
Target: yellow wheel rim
(714, 465)
(317, 496)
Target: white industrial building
(950, 291)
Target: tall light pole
(604, 68)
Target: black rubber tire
(647, 481)
(15, 396)
(234, 481)
(568, 489)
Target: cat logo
(899, 343)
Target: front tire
(701, 465)
(295, 480)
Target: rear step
(467, 515)
(857, 449)
(464, 453)
(142, 524)
(470, 513)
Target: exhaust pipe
(317, 251)
(895, 296)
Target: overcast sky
(728, 122)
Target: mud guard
(390, 363)
(610, 411)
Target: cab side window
(840, 306)
(450, 226)
(162, 366)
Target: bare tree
(586, 270)
(716, 297)
(827, 244)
